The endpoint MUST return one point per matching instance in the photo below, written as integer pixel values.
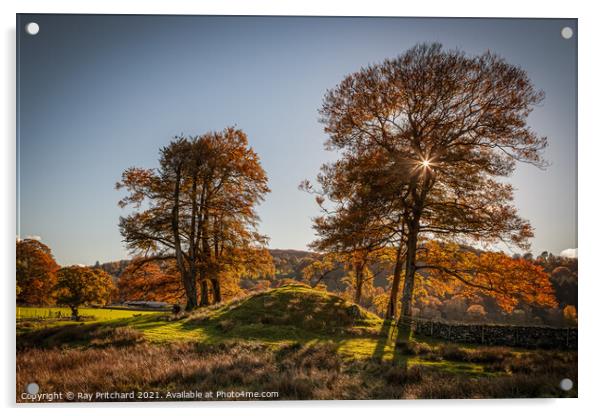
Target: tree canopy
(78, 285)
(36, 273)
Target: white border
(589, 192)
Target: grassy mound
(297, 307)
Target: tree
(157, 281)
(79, 285)
(330, 265)
(452, 270)
(234, 264)
(36, 273)
(320, 269)
(570, 314)
(199, 208)
(355, 228)
(446, 126)
(476, 312)
(565, 284)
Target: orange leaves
(151, 281)
(78, 285)
(320, 268)
(247, 262)
(139, 182)
(449, 269)
(36, 273)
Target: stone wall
(489, 334)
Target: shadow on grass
(95, 335)
(385, 337)
(395, 337)
(404, 333)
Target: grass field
(333, 349)
(94, 314)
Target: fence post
(432, 324)
(567, 337)
(482, 334)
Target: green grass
(36, 318)
(93, 314)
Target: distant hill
(114, 268)
(290, 263)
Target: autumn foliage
(450, 270)
(199, 210)
(36, 273)
(79, 285)
(157, 281)
(423, 139)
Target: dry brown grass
(296, 371)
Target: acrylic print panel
(295, 208)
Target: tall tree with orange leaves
(198, 206)
(446, 127)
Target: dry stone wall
(489, 334)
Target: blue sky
(98, 94)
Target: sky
(99, 94)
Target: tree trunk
(215, 283)
(217, 293)
(412, 244)
(188, 276)
(205, 257)
(392, 308)
(74, 313)
(410, 270)
(359, 282)
(191, 293)
(204, 293)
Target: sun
(425, 163)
